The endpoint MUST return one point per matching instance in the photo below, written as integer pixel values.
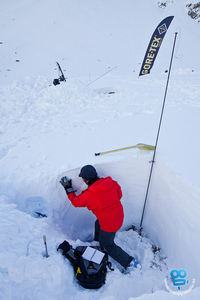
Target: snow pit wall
(171, 218)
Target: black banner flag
(154, 45)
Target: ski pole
(139, 146)
(45, 244)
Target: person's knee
(105, 244)
(106, 240)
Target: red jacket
(103, 199)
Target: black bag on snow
(89, 274)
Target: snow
(49, 131)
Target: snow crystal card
(94, 255)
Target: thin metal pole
(163, 106)
(102, 75)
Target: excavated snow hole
(77, 224)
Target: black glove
(67, 184)
(65, 247)
(67, 250)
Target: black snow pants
(106, 240)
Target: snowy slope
(48, 131)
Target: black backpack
(89, 274)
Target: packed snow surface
(49, 131)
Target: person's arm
(119, 190)
(81, 200)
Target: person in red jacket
(102, 197)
